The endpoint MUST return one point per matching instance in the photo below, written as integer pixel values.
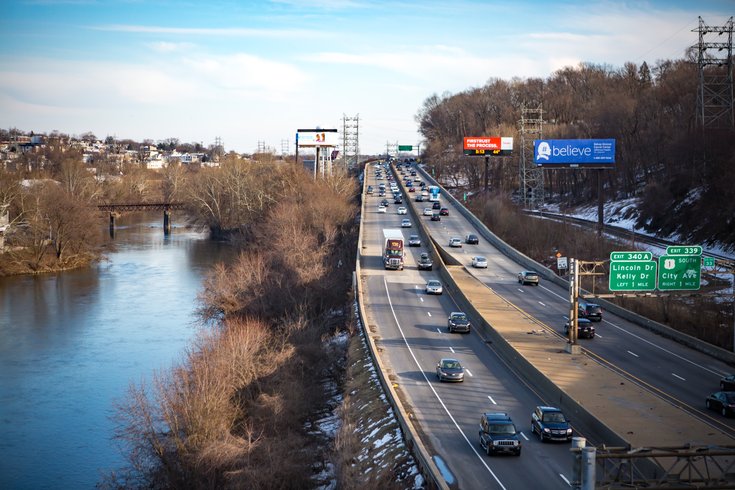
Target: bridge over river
(166, 207)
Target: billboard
(310, 138)
(574, 153)
(488, 145)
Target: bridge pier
(113, 215)
(166, 221)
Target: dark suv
(498, 434)
(585, 329)
(591, 311)
(458, 322)
(550, 424)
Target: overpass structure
(630, 386)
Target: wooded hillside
(684, 176)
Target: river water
(72, 343)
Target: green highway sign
(709, 261)
(679, 272)
(683, 250)
(627, 256)
(632, 275)
(405, 147)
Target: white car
(406, 223)
(428, 211)
(382, 209)
(434, 287)
(455, 242)
(402, 210)
(479, 261)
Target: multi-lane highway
(412, 335)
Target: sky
(254, 72)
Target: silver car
(449, 370)
(479, 261)
(434, 287)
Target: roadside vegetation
(244, 408)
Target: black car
(585, 329)
(398, 200)
(727, 383)
(436, 205)
(471, 239)
(723, 402)
(425, 263)
(436, 217)
(450, 370)
(550, 424)
(458, 322)
(384, 202)
(590, 310)
(498, 434)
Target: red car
(411, 189)
(444, 212)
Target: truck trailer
(393, 249)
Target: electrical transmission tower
(350, 140)
(531, 176)
(715, 95)
(261, 147)
(284, 148)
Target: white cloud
(215, 32)
(166, 47)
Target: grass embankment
(697, 315)
(253, 403)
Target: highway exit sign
(632, 275)
(679, 272)
(405, 147)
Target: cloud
(166, 47)
(216, 32)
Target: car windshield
(502, 429)
(554, 417)
(459, 317)
(451, 365)
(433, 283)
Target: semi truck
(393, 249)
(433, 193)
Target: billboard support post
(487, 171)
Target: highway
(412, 337)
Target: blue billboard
(574, 153)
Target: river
(72, 343)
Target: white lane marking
(428, 313)
(565, 479)
(491, 399)
(431, 387)
(677, 376)
(521, 290)
(468, 372)
(450, 348)
(652, 344)
(633, 354)
(598, 335)
(524, 436)
(438, 330)
(542, 304)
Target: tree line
(683, 175)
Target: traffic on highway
(489, 431)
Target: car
(585, 329)
(479, 262)
(444, 212)
(425, 263)
(436, 217)
(402, 210)
(381, 193)
(411, 189)
(413, 173)
(723, 402)
(550, 424)
(414, 241)
(419, 198)
(727, 383)
(458, 322)
(455, 242)
(370, 189)
(471, 239)
(382, 209)
(591, 311)
(528, 277)
(406, 223)
(425, 193)
(434, 287)
(498, 434)
(428, 212)
(436, 205)
(448, 369)
(384, 202)
(398, 200)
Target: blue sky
(250, 71)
